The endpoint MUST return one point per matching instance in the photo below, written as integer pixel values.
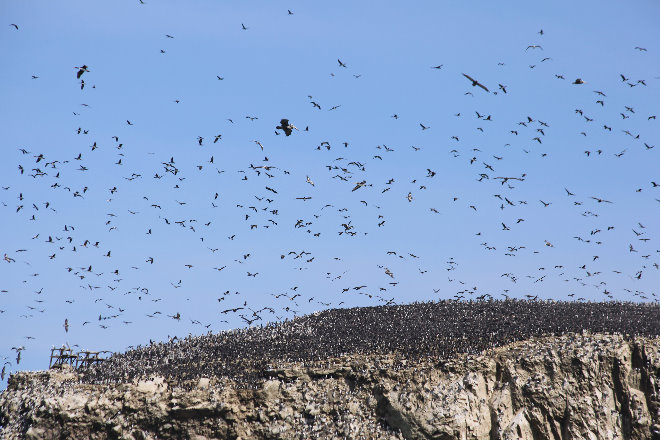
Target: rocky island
(440, 370)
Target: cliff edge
(577, 386)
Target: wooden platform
(65, 356)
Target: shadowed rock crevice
(621, 399)
(395, 419)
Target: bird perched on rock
(286, 127)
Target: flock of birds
(50, 184)
(420, 331)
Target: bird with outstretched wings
(286, 126)
(475, 82)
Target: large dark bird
(475, 82)
(82, 69)
(286, 127)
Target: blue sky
(465, 238)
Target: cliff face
(568, 387)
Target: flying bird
(82, 69)
(359, 185)
(476, 83)
(286, 127)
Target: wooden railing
(65, 356)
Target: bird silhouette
(475, 82)
(286, 127)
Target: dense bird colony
(423, 331)
(205, 168)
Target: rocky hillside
(576, 385)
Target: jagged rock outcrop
(578, 386)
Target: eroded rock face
(568, 387)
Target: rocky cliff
(573, 386)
